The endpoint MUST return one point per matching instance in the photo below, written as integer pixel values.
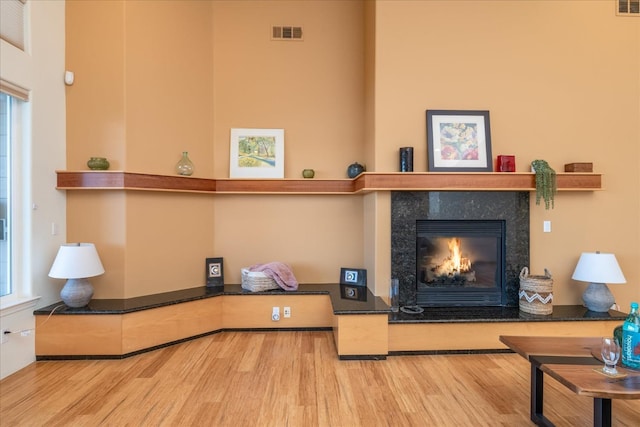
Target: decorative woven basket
(256, 281)
(536, 293)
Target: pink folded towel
(280, 272)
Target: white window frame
(18, 150)
(6, 235)
(21, 296)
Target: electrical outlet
(275, 314)
(546, 226)
(287, 312)
(4, 336)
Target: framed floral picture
(458, 141)
(257, 153)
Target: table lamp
(76, 262)
(598, 269)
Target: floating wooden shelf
(364, 183)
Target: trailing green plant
(546, 186)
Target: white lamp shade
(76, 261)
(598, 268)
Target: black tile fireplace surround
(407, 207)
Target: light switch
(547, 226)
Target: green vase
(98, 163)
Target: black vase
(406, 159)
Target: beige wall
(314, 90)
(561, 80)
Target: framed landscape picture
(256, 153)
(458, 141)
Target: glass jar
(185, 166)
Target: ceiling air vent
(628, 7)
(285, 32)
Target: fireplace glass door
(460, 262)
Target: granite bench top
(369, 304)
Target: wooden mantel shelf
(364, 183)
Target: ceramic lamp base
(76, 292)
(598, 297)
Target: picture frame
(353, 276)
(256, 153)
(459, 141)
(214, 271)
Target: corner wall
(559, 78)
(143, 95)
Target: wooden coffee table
(571, 361)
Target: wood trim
(290, 186)
(364, 183)
(481, 181)
(118, 180)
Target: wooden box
(578, 167)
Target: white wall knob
(68, 78)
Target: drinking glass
(394, 295)
(610, 355)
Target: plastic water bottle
(631, 339)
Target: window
(13, 23)
(5, 193)
(12, 98)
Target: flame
(455, 263)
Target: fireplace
(460, 263)
(478, 215)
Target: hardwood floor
(286, 379)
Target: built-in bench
(478, 329)
(116, 328)
(363, 325)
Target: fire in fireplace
(452, 269)
(460, 262)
